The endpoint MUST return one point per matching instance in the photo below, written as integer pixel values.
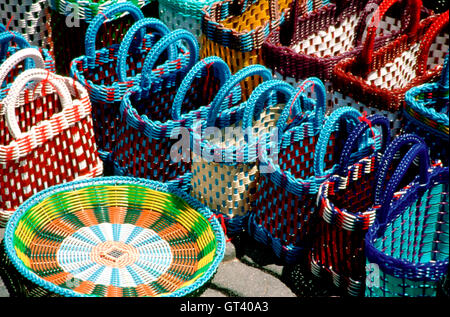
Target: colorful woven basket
(70, 21)
(107, 73)
(10, 44)
(30, 18)
(183, 14)
(337, 251)
(376, 81)
(313, 43)
(407, 248)
(286, 193)
(115, 236)
(225, 152)
(151, 120)
(235, 30)
(426, 114)
(46, 137)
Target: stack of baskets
(132, 147)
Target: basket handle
(261, 94)
(100, 18)
(358, 132)
(124, 47)
(366, 54)
(387, 159)
(37, 75)
(435, 28)
(417, 150)
(230, 85)
(11, 36)
(331, 125)
(162, 45)
(222, 71)
(298, 98)
(19, 56)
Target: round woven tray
(115, 236)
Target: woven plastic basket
(407, 248)
(313, 43)
(235, 31)
(70, 21)
(337, 251)
(108, 72)
(31, 18)
(225, 152)
(183, 14)
(376, 81)
(425, 113)
(151, 120)
(286, 193)
(12, 43)
(46, 137)
(115, 237)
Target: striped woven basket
(31, 19)
(115, 237)
(46, 137)
(107, 73)
(337, 251)
(376, 81)
(314, 42)
(11, 43)
(235, 30)
(225, 152)
(70, 21)
(183, 14)
(286, 194)
(407, 248)
(148, 140)
(426, 114)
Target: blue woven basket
(154, 138)
(426, 113)
(7, 48)
(107, 73)
(285, 198)
(224, 167)
(407, 248)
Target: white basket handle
(19, 84)
(18, 57)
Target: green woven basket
(115, 237)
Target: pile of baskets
(136, 137)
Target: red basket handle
(366, 55)
(435, 28)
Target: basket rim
(114, 180)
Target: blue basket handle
(357, 133)
(443, 81)
(331, 125)
(225, 90)
(261, 94)
(94, 26)
(163, 44)
(388, 158)
(223, 72)
(298, 98)
(417, 150)
(152, 23)
(11, 36)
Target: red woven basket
(315, 42)
(376, 81)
